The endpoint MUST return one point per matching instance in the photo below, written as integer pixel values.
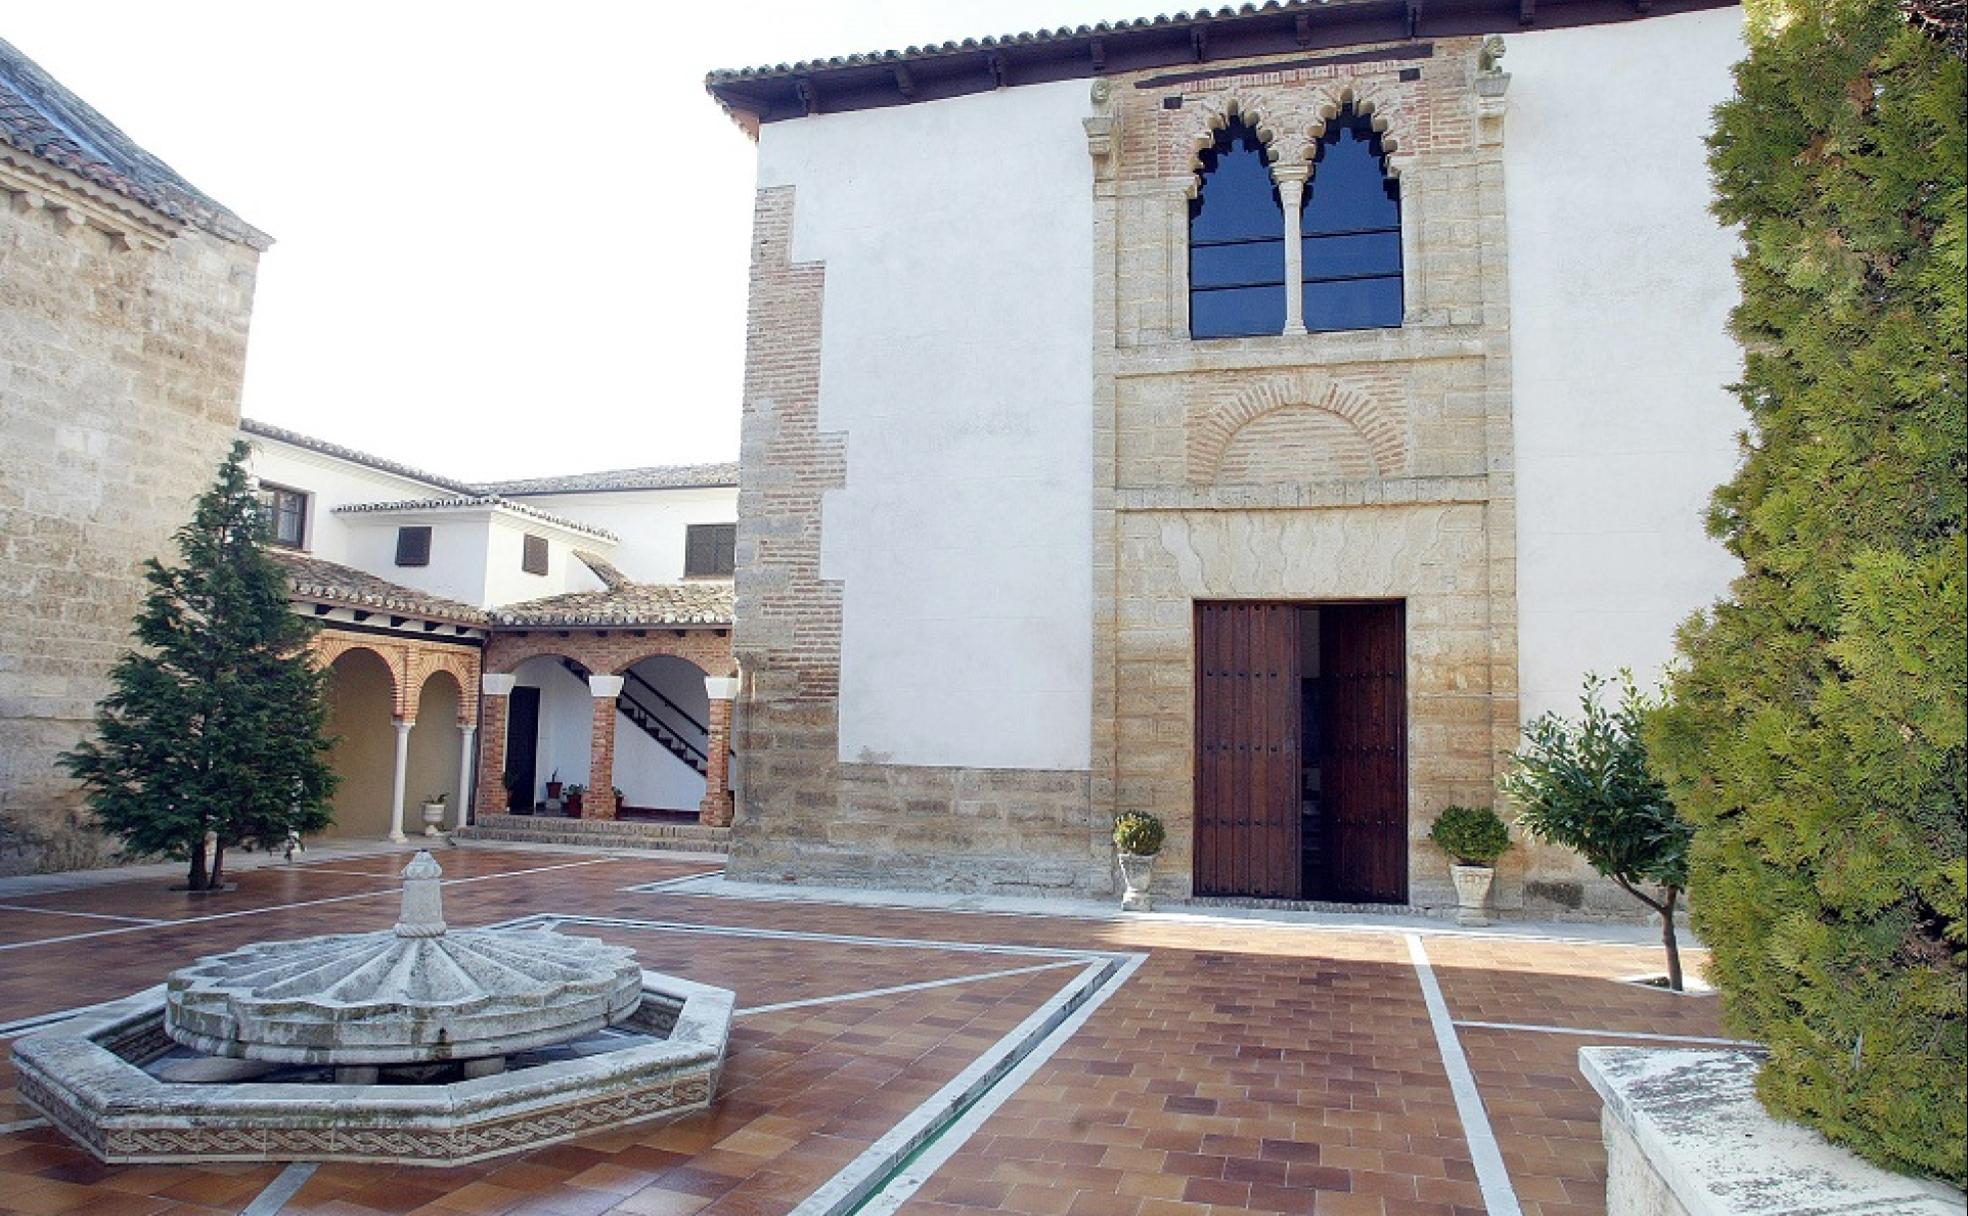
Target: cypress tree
(215, 724)
(1815, 732)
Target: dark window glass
(1236, 242)
(710, 549)
(1351, 232)
(413, 546)
(533, 556)
(286, 515)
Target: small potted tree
(1586, 785)
(1137, 838)
(1474, 838)
(553, 787)
(571, 800)
(434, 814)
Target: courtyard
(925, 1055)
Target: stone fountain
(415, 1044)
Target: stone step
(598, 833)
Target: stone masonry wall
(803, 814)
(122, 348)
(1315, 466)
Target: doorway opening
(1301, 751)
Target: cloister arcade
(404, 712)
(648, 707)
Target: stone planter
(433, 819)
(1472, 893)
(1135, 873)
(1685, 1136)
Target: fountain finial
(423, 898)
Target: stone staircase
(608, 834)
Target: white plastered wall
(956, 355)
(1620, 288)
(566, 722)
(329, 483)
(651, 524)
(648, 774)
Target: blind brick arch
(1381, 428)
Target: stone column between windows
(715, 810)
(1291, 192)
(495, 703)
(398, 772)
(599, 801)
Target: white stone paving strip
(21, 1125)
(1609, 1034)
(917, 1169)
(870, 993)
(280, 1190)
(797, 935)
(1499, 1196)
(306, 903)
(865, 1183)
(130, 920)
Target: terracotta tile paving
(1244, 1068)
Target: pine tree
(1816, 734)
(216, 721)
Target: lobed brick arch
(1385, 117)
(424, 662)
(328, 646)
(1217, 113)
(1381, 428)
(410, 662)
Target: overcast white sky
(511, 237)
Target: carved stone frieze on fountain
(414, 1044)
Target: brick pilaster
(599, 801)
(489, 796)
(715, 810)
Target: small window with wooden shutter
(413, 546)
(710, 550)
(533, 557)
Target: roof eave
(892, 78)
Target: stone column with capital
(494, 701)
(1291, 192)
(715, 810)
(398, 773)
(599, 801)
(465, 732)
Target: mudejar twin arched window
(1349, 236)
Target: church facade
(1252, 417)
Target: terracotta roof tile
(649, 477)
(474, 500)
(42, 118)
(707, 603)
(267, 430)
(603, 569)
(329, 582)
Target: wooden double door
(1301, 751)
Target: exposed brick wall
(121, 355)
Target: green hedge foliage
(1472, 835)
(1815, 736)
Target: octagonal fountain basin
(427, 1048)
